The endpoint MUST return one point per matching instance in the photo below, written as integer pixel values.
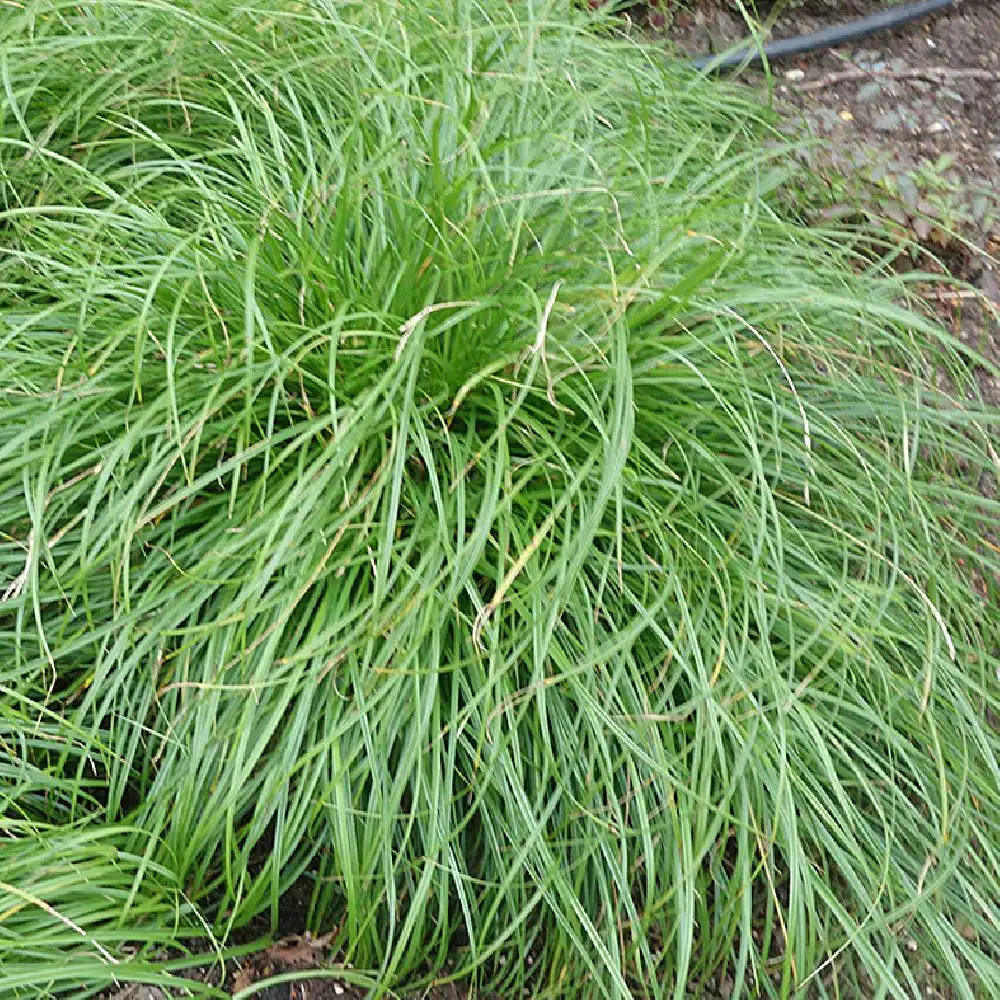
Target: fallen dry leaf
(296, 950)
(243, 979)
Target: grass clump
(433, 474)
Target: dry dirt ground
(909, 122)
(907, 125)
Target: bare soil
(908, 122)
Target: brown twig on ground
(962, 294)
(934, 74)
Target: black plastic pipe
(884, 20)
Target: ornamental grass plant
(439, 474)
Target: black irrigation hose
(826, 38)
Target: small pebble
(911, 945)
(338, 989)
(795, 75)
(869, 91)
(887, 122)
(936, 127)
(931, 43)
(845, 115)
